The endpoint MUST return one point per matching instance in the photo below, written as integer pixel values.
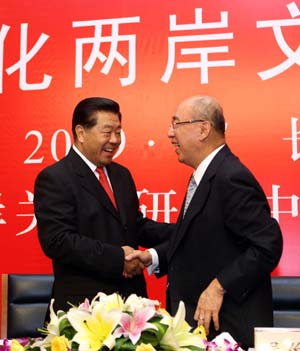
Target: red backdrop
(147, 55)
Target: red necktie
(104, 182)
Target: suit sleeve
(152, 233)
(57, 221)
(149, 232)
(250, 225)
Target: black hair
(84, 112)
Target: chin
(180, 159)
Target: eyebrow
(111, 125)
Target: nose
(115, 138)
(171, 131)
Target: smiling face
(186, 136)
(100, 143)
(197, 129)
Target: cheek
(182, 138)
(98, 141)
(188, 143)
(177, 135)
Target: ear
(205, 129)
(79, 130)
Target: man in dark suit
(79, 227)
(226, 244)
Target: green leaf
(66, 329)
(60, 314)
(124, 345)
(153, 336)
(75, 346)
(195, 348)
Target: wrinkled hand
(132, 267)
(144, 257)
(209, 305)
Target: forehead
(183, 110)
(106, 118)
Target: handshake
(135, 261)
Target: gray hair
(208, 108)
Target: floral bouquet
(112, 323)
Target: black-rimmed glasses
(175, 124)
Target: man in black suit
(226, 244)
(79, 228)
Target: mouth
(176, 146)
(111, 151)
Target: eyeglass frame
(175, 124)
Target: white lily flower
(94, 329)
(52, 327)
(108, 302)
(178, 336)
(134, 302)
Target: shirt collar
(200, 170)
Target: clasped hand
(135, 261)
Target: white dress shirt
(92, 166)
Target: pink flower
(131, 326)
(231, 347)
(210, 345)
(5, 346)
(85, 306)
(227, 346)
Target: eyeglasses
(175, 124)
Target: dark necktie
(104, 182)
(190, 192)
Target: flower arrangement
(112, 323)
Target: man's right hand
(144, 257)
(131, 267)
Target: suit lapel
(89, 182)
(195, 207)
(198, 201)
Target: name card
(276, 339)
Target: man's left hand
(209, 305)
